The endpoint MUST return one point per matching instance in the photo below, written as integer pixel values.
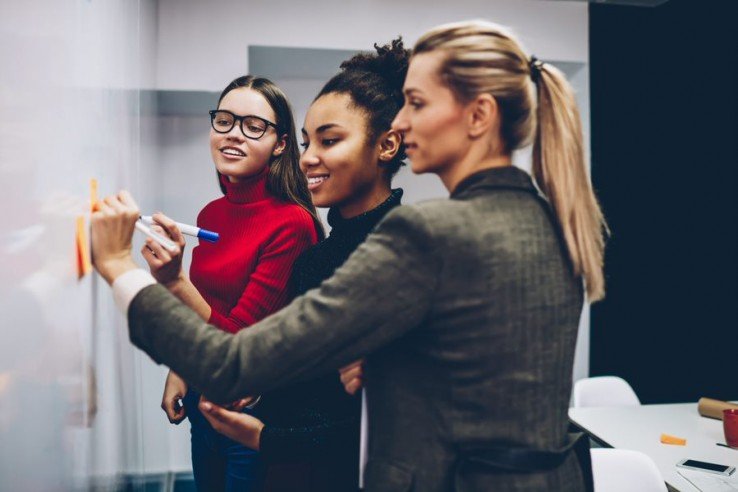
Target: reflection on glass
(69, 100)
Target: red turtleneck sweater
(244, 276)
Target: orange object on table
(673, 440)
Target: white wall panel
(202, 44)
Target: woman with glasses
(265, 220)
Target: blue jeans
(220, 463)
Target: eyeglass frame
(239, 119)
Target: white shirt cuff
(126, 286)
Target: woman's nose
(399, 124)
(235, 133)
(308, 159)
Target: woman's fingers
(168, 407)
(111, 229)
(107, 207)
(121, 204)
(353, 386)
(218, 416)
(174, 390)
(113, 204)
(178, 412)
(239, 405)
(352, 376)
(170, 228)
(240, 427)
(165, 233)
(126, 199)
(150, 257)
(158, 251)
(165, 265)
(347, 377)
(352, 373)
(175, 412)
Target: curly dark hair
(374, 83)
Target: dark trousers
(220, 463)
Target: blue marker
(190, 230)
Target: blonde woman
(466, 308)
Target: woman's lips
(314, 181)
(232, 153)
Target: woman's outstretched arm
(382, 291)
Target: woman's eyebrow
(324, 128)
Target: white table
(639, 428)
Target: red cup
(730, 426)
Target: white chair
(621, 470)
(604, 391)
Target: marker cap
(208, 235)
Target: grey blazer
(467, 311)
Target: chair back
(604, 391)
(619, 470)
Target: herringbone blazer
(467, 312)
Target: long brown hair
(482, 57)
(285, 181)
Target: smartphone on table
(704, 466)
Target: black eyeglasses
(252, 127)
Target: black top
(316, 423)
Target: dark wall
(664, 132)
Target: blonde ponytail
(482, 57)
(560, 171)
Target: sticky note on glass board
(84, 265)
(93, 195)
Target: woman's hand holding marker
(165, 266)
(111, 230)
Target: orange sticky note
(93, 195)
(676, 441)
(84, 265)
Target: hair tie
(536, 66)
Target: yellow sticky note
(676, 441)
(84, 265)
(93, 195)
